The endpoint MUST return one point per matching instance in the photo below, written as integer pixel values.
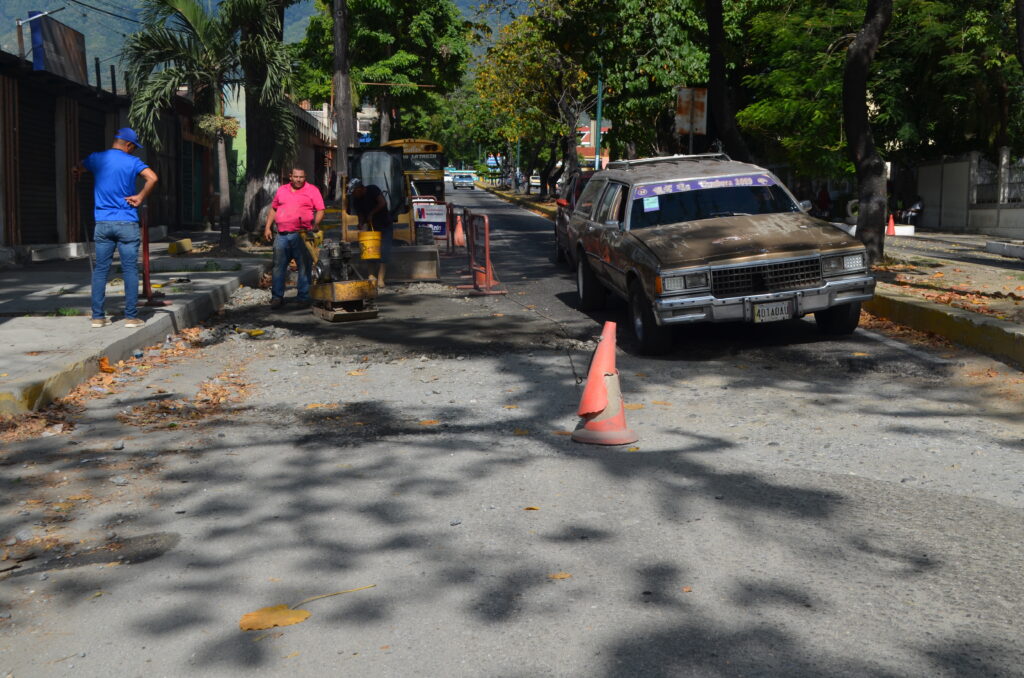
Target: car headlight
(845, 263)
(688, 281)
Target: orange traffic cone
(460, 235)
(891, 228)
(604, 416)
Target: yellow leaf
(939, 275)
(633, 449)
(660, 402)
(105, 365)
(356, 373)
(3, 375)
(634, 406)
(687, 589)
(313, 406)
(289, 656)
(254, 333)
(521, 432)
(511, 407)
(269, 617)
(560, 575)
(532, 508)
(157, 285)
(498, 315)
(430, 422)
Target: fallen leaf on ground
(511, 407)
(521, 432)
(860, 354)
(660, 402)
(560, 575)
(641, 374)
(269, 617)
(633, 449)
(430, 422)
(313, 406)
(498, 315)
(687, 589)
(939, 275)
(289, 656)
(105, 366)
(356, 373)
(634, 406)
(532, 508)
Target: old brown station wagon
(703, 238)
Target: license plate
(776, 310)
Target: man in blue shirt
(117, 220)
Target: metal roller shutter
(37, 170)
(91, 139)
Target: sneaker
(276, 302)
(134, 322)
(100, 322)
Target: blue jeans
(125, 236)
(288, 246)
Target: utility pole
(342, 90)
(597, 127)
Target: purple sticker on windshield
(742, 180)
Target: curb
(508, 197)
(994, 337)
(32, 394)
(1007, 249)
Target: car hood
(708, 241)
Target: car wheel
(653, 339)
(839, 319)
(558, 256)
(589, 291)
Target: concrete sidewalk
(968, 289)
(47, 346)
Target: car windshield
(707, 203)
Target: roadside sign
(435, 216)
(691, 110)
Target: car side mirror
(805, 205)
(562, 202)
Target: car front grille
(764, 278)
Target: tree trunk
(261, 176)
(871, 219)
(259, 170)
(718, 85)
(343, 118)
(224, 187)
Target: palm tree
(183, 46)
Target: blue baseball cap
(129, 135)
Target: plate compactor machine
(338, 291)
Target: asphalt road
(796, 505)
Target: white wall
(1005, 222)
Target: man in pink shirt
(297, 207)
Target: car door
(608, 219)
(581, 230)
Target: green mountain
(106, 23)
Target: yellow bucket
(370, 242)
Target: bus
(423, 163)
